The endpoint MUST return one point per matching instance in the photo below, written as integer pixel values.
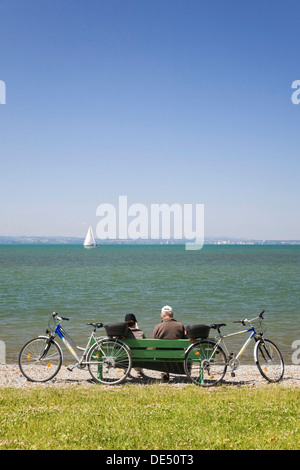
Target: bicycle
(108, 360)
(206, 361)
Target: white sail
(89, 239)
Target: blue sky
(163, 101)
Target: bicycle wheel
(109, 361)
(269, 360)
(40, 360)
(205, 363)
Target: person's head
(167, 312)
(130, 319)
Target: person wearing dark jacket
(169, 328)
(133, 330)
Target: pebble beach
(10, 376)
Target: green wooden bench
(112, 357)
(166, 355)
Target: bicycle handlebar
(95, 325)
(55, 315)
(260, 315)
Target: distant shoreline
(28, 240)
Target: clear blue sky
(160, 100)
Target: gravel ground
(10, 376)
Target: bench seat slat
(157, 354)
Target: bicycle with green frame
(207, 360)
(108, 360)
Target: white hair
(167, 310)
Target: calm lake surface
(215, 284)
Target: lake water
(215, 284)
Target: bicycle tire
(269, 360)
(40, 359)
(109, 361)
(205, 363)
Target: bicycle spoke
(205, 363)
(109, 362)
(269, 360)
(39, 361)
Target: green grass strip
(152, 417)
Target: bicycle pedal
(70, 368)
(232, 374)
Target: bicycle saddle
(96, 325)
(216, 326)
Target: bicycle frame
(222, 342)
(66, 339)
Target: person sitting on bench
(169, 328)
(133, 330)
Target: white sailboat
(89, 241)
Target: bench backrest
(157, 349)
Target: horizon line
(43, 239)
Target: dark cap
(130, 317)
